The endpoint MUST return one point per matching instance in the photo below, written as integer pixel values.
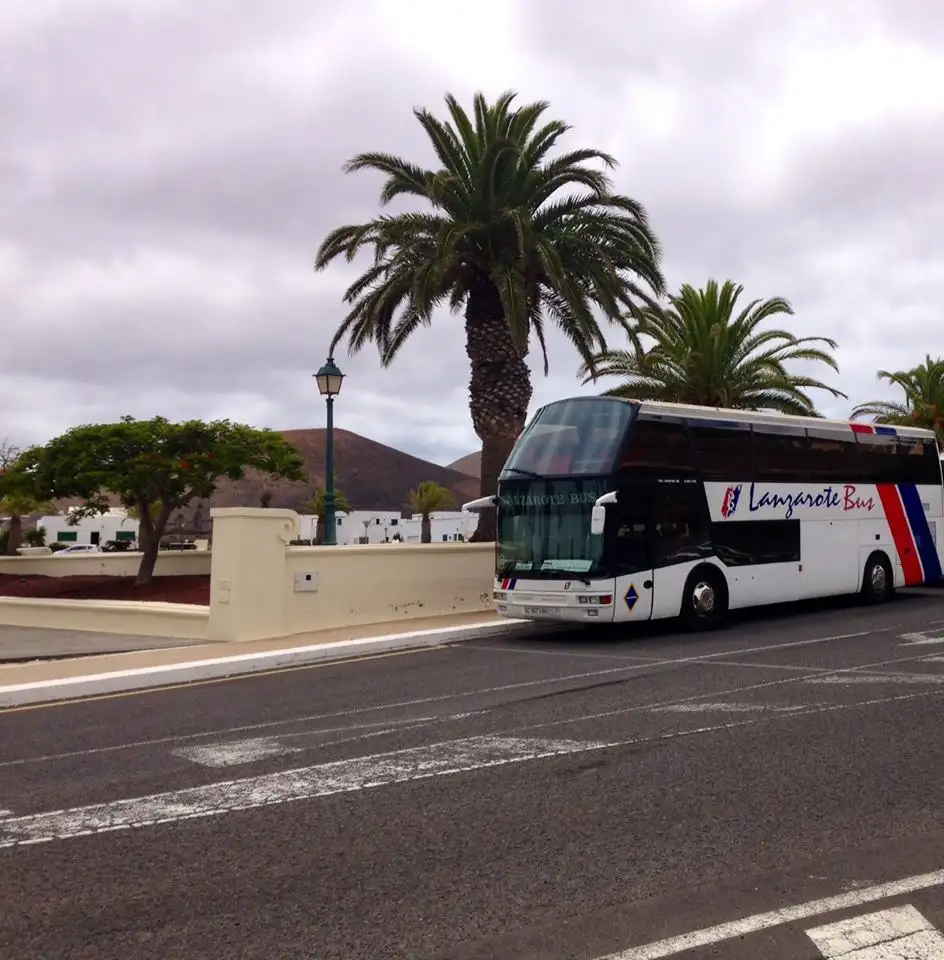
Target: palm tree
(316, 506)
(923, 404)
(15, 506)
(704, 350)
(518, 238)
(426, 499)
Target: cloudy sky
(169, 168)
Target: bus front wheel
(877, 582)
(705, 599)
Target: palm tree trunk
(499, 390)
(426, 529)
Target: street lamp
(329, 379)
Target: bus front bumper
(556, 601)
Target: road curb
(143, 678)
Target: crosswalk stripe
(902, 933)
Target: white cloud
(169, 172)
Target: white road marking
(897, 934)
(341, 776)
(725, 708)
(235, 752)
(708, 936)
(919, 639)
(762, 685)
(879, 678)
(422, 701)
(345, 775)
(6, 813)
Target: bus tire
(705, 599)
(878, 582)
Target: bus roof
(757, 416)
(691, 411)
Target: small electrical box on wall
(306, 581)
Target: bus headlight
(499, 595)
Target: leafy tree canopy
(150, 462)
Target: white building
(383, 526)
(445, 526)
(99, 529)
(358, 526)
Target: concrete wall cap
(251, 513)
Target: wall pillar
(248, 572)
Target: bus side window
(658, 447)
(723, 451)
(918, 461)
(681, 522)
(878, 456)
(780, 453)
(833, 456)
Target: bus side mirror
(598, 513)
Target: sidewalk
(22, 644)
(162, 665)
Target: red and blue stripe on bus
(904, 512)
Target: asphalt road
(556, 796)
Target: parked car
(75, 548)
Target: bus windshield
(576, 436)
(544, 528)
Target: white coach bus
(610, 510)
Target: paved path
(773, 790)
(24, 644)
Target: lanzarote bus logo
(731, 497)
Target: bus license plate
(542, 611)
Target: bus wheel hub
(878, 578)
(703, 597)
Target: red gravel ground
(191, 589)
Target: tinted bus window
(780, 453)
(918, 461)
(723, 452)
(579, 436)
(658, 447)
(833, 456)
(878, 459)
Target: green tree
(703, 349)
(147, 462)
(18, 497)
(426, 499)
(316, 506)
(923, 402)
(517, 236)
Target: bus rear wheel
(877, 582)
(705, 599)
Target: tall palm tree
(517, 237)
(704, 350)
(426, 499)
(923, 403)
(316, 506)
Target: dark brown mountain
(470, 464)
(371, 475)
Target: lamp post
(329, 379)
